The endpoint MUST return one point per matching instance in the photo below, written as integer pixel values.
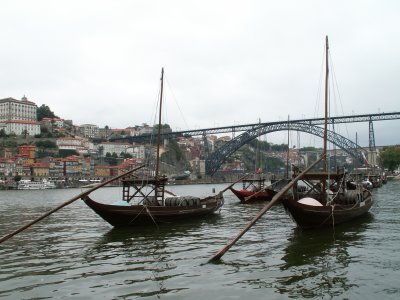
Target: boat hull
(243, 194)
(137, 215)
(309, 216)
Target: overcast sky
(226, 62)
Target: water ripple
(75, 254)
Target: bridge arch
(219, 156)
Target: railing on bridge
(247, 127)
(251, 131)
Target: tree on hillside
(165, 128)
(3, 133)
(46, 144)
(308, 149)
(279, 148)
(25, 133)
(67, 152)
(262, 145)
(44, 111)
(390, 158)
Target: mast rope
(131, 221)
(151, 216)
(176, 102)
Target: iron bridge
(251, 131)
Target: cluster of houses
(19, 117)
(71, 170)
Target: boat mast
(258, 159)
(288, 143)
(326, 103)
(159, 125)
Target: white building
(53, 122)
(139, 152)
(80, 145)
(118, 148)
(89, 130)
(19, 116)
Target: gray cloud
(227, 62)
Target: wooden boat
(144, 198)
(171, 209)
(255, 189)
(253, 185)
(327, 202)
(319, 207)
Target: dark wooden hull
(308, 216)
(137, 215)
(243, 194)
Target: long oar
(275, 199)
(7, 236)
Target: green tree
(262, 145)
(44, 111)
(3, 133)
(67, 152)
(113, 161)
(25, 133)
(165, 128)
(98, 140)
(46, 144)
(279, 148)
(17, 179)
(390, 158)
(308, 149)
(174, 154)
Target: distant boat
(256, 189)
(35, 185)
(144, 200)
(327, 202)
(185, 175)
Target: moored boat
(319, 207)
(144, 198)
(326, 202)
(35, 185)
(151, 209)
(254, 189)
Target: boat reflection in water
(147, 256)
(316, 259)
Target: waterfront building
(39, 170)
(27, 151)
(19, 116)
(105, 171)
(7, 167)
(72, 166)
(56, 168)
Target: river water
(74, 254)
